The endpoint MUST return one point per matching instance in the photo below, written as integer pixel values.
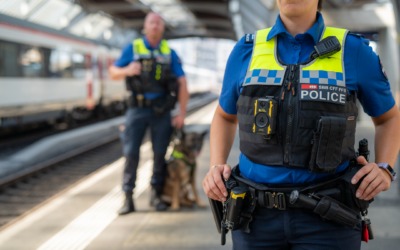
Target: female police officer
(275, 65)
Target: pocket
(326, 152)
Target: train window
(31, 60)
(65, 64)
(9, 65)
(78, 65)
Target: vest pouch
(326, 152)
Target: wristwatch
(388, 169)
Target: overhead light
(24, 7)
(92, 26)
(64, 21)
(87, 28)
(107, 34)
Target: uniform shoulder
(243, 45)
(356, 39)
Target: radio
(265, 114)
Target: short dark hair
(320, 5)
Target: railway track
(25, 191)
(21, 196)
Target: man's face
(296, 7)
(154, 25)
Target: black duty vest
(156, 75)
(316, 114)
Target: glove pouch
(326, 153)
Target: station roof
(114, 22)
(184, 18)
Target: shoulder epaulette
(355, 34)
(363, 39)
(249, 38)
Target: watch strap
(388, 169)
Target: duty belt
(139, 101)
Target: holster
(330, 209)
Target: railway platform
(84, 216)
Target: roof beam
(113, 8)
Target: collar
(147, 44)
(177, 155)
(315, 31)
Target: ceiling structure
(116, 22)
(184, 18)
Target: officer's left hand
(178, 121)
(376, 180)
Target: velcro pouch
(330, 209)
(326, 152)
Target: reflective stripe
(264, 77)
(141, 52)
(316, 72)
(264, 68)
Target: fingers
(371, 187)
(178, 121)
(213, 184)
(361, 160)
(363, 171)
(208, 191)
(376, 191)
(373, 173)
(374, 182)
(220, 185)
(227, 171)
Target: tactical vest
(316, 115)
(156, 68)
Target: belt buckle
(140, 99)
(276, 200)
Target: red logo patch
(309, 86)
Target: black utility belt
(333, 199)
(139, 101)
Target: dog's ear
(204, 134)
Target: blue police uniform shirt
(363, 75)
(128, 56)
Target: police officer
(309, 92)
(149, 56)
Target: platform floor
(84, 216)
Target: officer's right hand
(213, 185)
(133, 69)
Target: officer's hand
(213, 185)
(178, 121)
(375, 181)
(133, 69)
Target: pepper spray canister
(235, 207)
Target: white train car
(44, 77)
(48, 78)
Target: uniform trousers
(137, 122)
(295, 229)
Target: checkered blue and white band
(264, 77)
(322, 77)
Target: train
(49, 78)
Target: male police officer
(273, 69)
(149, 105)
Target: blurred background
(60, 111)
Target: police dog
(181, 169)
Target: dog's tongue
(196, 153)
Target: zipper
(290, 94)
